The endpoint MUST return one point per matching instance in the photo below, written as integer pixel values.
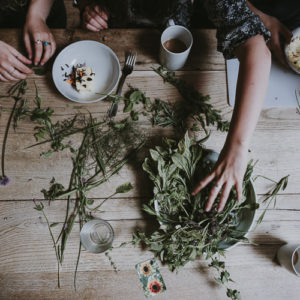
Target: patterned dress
(235, 24)
(234, 21)
(13, 14)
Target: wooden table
(27, 260)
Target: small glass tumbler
(96, 235)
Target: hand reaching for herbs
(228, 172)
(12, 64)
(94, 18)
(255, 63)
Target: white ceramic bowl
(99, 57)
(296, 32)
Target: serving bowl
(246, 215)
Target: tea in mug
(175, 45)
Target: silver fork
(128, 68)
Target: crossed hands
(94, 18)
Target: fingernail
(42, 63)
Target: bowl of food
(174, 171)
(86, 71)
(292, 51)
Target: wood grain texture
(27, 259)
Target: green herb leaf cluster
(186, 229)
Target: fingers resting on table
(12, 64)
(94, 18)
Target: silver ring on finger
(12, 72)
(38, 42)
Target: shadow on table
(269, 249)
(149, 41)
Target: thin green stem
(5, 137)
(98, 206)
(54, 246)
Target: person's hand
(228, 172)
(12, 64)
(279, 33)
(94, 18)
(38, 39)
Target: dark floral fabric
(146, 13)
(13, 14)
(235, 24)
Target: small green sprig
(271, 195)
(196, 105)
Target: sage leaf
(124, 188)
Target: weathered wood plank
(30, 173)
(147, 81)
(25, 239)
(253, 282)
(127, 208)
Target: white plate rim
(89, 101)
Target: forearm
(255, 63)
(39, 9)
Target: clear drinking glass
(96, 235)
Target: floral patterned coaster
(150, 277)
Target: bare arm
(36, 32)
(255, 62)
(40, 8)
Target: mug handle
(170, 23)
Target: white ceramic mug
(171, 60)
(289, 256)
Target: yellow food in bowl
(293, 52)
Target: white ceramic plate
(296, 32)
(100, 58)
